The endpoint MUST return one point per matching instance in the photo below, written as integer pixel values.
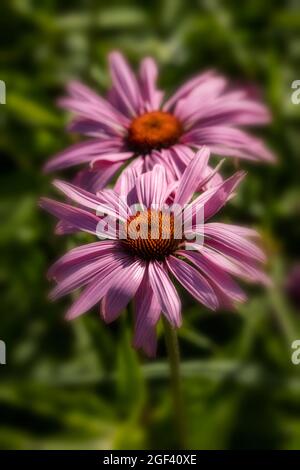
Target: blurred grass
(80, 384)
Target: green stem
(176, 385)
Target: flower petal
(233, 262)
(85, 94)
(122, 291)
(215, 275)
(110, 157)
(231, 109)
(97, 289)
(213, 199)
(64, 228)
(248, 269)
(165, 293)
(229, 141)
(82, 152)
(236, 229)
(148, 76)
(79, 218)
(186, 89)
(234, 242)
(199, 97)
(79, 257)
(95, 180)
(107, 201)
(126, 183)
(82, 275)
(190, 179)
(193, 282)
(147, 313)
(125, 83)
(151, 187)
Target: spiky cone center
(152, 234)
(153, 131)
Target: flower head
(134, 124)
(154, 233)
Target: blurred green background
(80, 385)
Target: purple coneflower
(126, 267)
(135, 124)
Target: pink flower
(135, 123)
(125, 267)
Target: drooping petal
(122, 291)
(95, 180)
(85, 94)
(233, 262)
(236, 229)
(113, 204)
(165, 293)
(110, 124)
(216, 275)
(230, 109)
(79, 257)
(147, 313)
(110, 158)
(82, 152)
(193, 282)
(97, 289)
(234, 242)
(64, 228)
(229, 141)
(79, 218)
(79, 195)
(88, 127)
(82, 275)
(249, 269)
(109, 204)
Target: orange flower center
(153, 130)
(152, 234)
